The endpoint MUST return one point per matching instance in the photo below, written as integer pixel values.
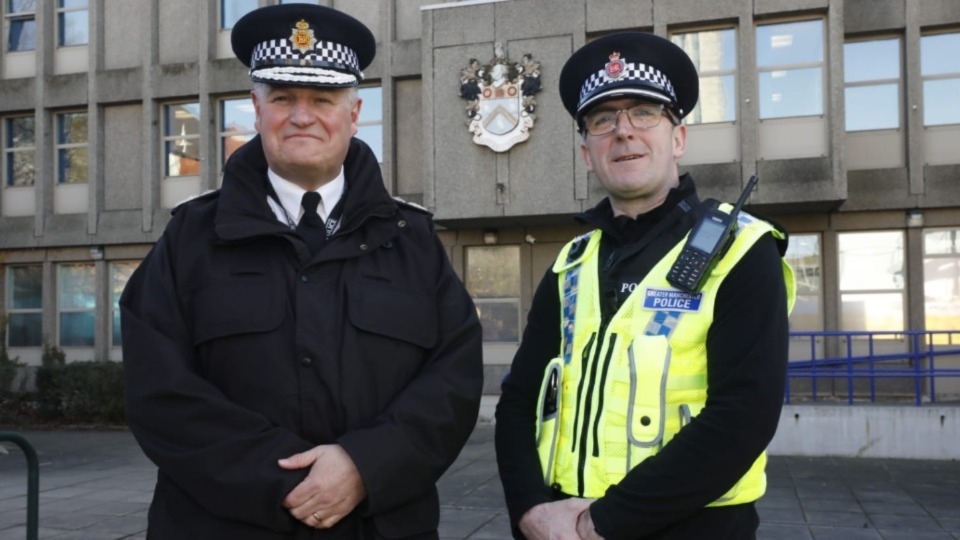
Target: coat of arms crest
(500, 99)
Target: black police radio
(707, 244)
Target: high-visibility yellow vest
(623, 391)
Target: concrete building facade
(847, 110)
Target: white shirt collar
(291, 194)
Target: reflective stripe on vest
(629, 385)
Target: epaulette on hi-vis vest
(208, 194)
(413, 205)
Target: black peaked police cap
(303, 45)
(629, 64)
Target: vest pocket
(548, 417)
(649, 361)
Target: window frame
(371, 123)
(899, 81)
(797, 66)
(719, 73)
(872, 291)
(194, 139)
(62, 310)
(12, 17)
(222, 14)
(222, 133)
(59, 14)
(7, 161)
(800, 276)
(60, 146)
(482, 300)
(114, 340)
(11, 310)
(937, 77)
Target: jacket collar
(625, 229)
(243, 211)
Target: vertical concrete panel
(541, 173)
(683, 11)
(861, 16)
(768, 7)
(409, 120)
(122, 35)
(464, 173)
(462, 25)
(407, 23)
(122, 157)
(366, 11)
(608, 15)
(179, 32)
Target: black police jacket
(240, 348)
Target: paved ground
(96, 485)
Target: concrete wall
(876, 431)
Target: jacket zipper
(584, 430)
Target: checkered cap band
(631, 72)
(325, 54)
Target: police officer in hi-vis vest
(639, 404)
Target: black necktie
(311, 226)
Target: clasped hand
(568, 519)
(331, 490)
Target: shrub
(81, 392)
(8, 366)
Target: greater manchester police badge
(500, 100)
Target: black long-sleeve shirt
(664, 497)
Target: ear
(256, 109)
(679, 141)
(585, 152)
(355, 116)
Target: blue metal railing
(909, 355)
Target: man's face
(305, 131)
(637, 167)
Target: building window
(232, 10)
(120, 273)
(940, 71)
(236, 125)
(714, 53)
(181, 139)
(493, 280)
(871, 74)
(25, 306)
(77, 304)
(370, 124)
(72, 148)
(21, 18)
(871, 281)
(790, 62)
(18, 148)
(941, 279)
(72, 23)
(803, 254)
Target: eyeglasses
(641, 116)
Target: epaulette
(412, 205)
(208, 194)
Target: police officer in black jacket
(633, 409)
(300, 359)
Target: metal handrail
(918, 361)
(33, 481)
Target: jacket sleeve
(746, 372)
(222, 455)
(517, 458)
(405, 451)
